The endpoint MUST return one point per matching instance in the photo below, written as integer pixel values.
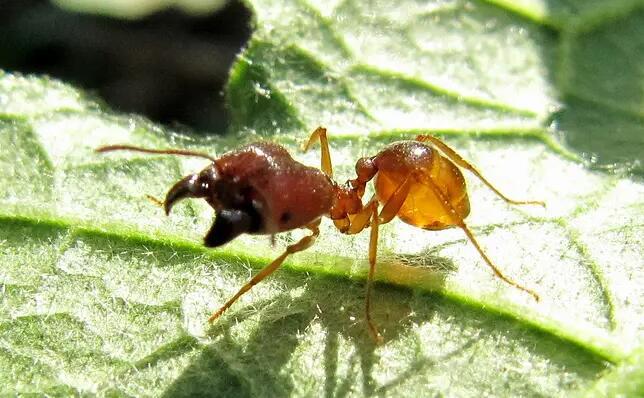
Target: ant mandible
(260, 189)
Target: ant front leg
(320, 134)
(456, 158)
(301, 245)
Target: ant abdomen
(426, 169)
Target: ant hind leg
(456, 158)
(458, 221)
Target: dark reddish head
(257, 189)
(236, 212)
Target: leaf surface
(103, 294)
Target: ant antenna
(182, 152)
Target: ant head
(236, 212)
(192, 186)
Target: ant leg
(342, 225)
(388, 212)
(373, 250)
(302, 244)
(170, 151)
(369, 215)
(456, 158)
(461, 224)
(362, 219)
(320, 134)
(395, 201)
(154, 200)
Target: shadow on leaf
(329, 309)
(602, 117)
(274, 346)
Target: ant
(260, 189)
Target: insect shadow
(427, 260)
(328, 314)
(315, 344)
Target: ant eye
(285, 217)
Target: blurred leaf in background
(103, 294)
(169, 66)
(139, 8)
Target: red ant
(260, 189)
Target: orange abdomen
(423, 165)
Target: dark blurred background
(169, 65)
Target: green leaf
(103, 294)
(133, 9)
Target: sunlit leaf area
(102, 294)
